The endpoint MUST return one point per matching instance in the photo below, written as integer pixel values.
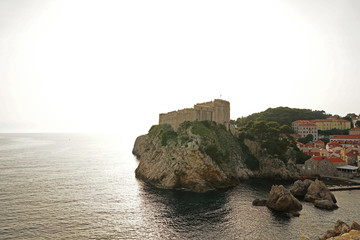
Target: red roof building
(336, 160)
(354, 131)
(353, 138)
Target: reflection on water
(183, 214)
(83, 187)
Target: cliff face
(202, 156)
(195, 157)
(270, 166)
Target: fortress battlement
(217, 111)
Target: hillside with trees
(283, 115)
(267, 135)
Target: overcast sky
(115, 65)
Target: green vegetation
(283, 115)
(333, 132)
(223, 147)
(351, 115)
(251, 161)
(306, 139)
(267, 133)
(164, 131)
(325, 140)
(216, 141)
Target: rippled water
(68, 186)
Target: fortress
(217, 111)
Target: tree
(262, 130)
(285, 129)
(283, 115)
(357, 124)
(306, 139)
(351, 115)
(325, 140)
(347, 118)
(309, 137)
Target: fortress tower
(217, 111)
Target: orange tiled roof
(353, 153)
(346, 137)
(319, 159)
(336, 160)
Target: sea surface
(72, 186)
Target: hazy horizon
(110, 66)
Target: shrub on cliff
(251, 161)
(164, 131)
(216, 142)
(267, 134)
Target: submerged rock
(280, 199)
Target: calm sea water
(68, 186)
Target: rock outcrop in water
(315, 192)
(280, 199)
(342, 231)
(201, 156)
(299, 188)
(320, 195)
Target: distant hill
(283, 115)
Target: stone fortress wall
(217, 111)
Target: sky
(113, 66)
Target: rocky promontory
(199, 157)
(202, 156)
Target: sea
(83, 186)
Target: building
(337, 161)
(318, 166)
(331, 123)
(351, 158)
(348, 171)
(319, 144)
(304, 128)
(354, 131)
(323, 166)
(217, 111)
(355, 139)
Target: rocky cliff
(272, 166)
(200, 156)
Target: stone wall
(316, 168)
(217, 111)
